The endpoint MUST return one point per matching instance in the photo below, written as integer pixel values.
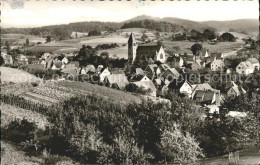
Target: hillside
(247, 25)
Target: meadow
(21, 38)
(184, 46)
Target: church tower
(132, 46)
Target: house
(186, 88)
(217, 65)
(163, 68)
(254, 62)
(147, 85)
(139, 78)
(213, 109)
(175, 61)
(207, 97)
(139, 71)
(8, 59)
(245, 68)
(204, 53)
(162, 90)
(197, 64)
(201, 87)
(57, 65)
(235, 91)
(103, 74)
(236, 114)
(65, 60)
(99, 68)
(22, 59)
(152, 71)
(49, 62)
(145, 51)
(170, 74)
(118, 81)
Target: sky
(34, 13)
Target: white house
(186, 88)
(217, 65)
(254, 62)
(235, 91)
(245, 68)
(105, 72)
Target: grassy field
(10, 113)
(184, 46)
(120, 52)
(16, 76)
(105, 92)
(21, 38)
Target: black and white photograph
(130, 82)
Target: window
(161, 56)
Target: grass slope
(16, 75)
(10, 113)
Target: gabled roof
(152, 67)
(204, 96)
(203, 86)
(239, 90)
(139, 71)
(148, 49)
(253, 60)
(173, 71)
(138, 77)
(246, 64)
(146, 85)
(217, 61)
(164, 66)
(57, 64)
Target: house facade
(105, 72)
(245, 68)
(217, 65)
(186, 88)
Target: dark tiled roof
(147, 49)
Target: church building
(144, 51)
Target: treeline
(93, 130)
(160, 26)
(89, 55)
(64, 31)
(206, 35)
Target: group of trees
(88, 55)
(160, 26)
(90, 129)
(206, 35)
(94, 33)
(61, 32)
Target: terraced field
(10, 113)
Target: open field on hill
(184, 46)
(120, 52)
(103, 91)
(21, 38)
(12, 155)
(16, 76)
(10, 113)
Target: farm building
(103, 74)
(22, 59)
(245, 68)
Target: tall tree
(196, 48)
(27, 42)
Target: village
(136, 82)
(160, 76)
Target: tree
(175, 145)
(227, 37)
(7, 46)
(196, 49)
(48, 39)
(27, 42)
(1, 60)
